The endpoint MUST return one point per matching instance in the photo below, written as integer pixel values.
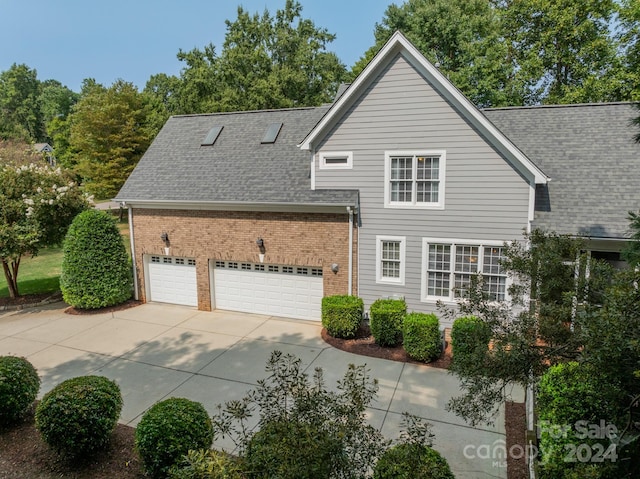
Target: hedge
(410, 461)
(19, 386)
(342, 315)
(469, 335)
(422, 339)
(385, 320)
(96, 270)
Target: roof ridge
(272, 110)
(567, 105)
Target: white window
(414, 180)
(336, 160)
(390, 251)
(448, 267)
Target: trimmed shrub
(342, 315)
(77, 417)
(408, 461)
(169, 430)
(19, 386)
(469, 335)
(568, 393)
(385, 319)
(96, 270)
(208, 464)
(421, 336)
(291, 450)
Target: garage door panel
(265, 289)
(172, 280)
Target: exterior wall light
(260, 243)
(165, 237)
(335, 267)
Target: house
(400, 188)
(47, 150)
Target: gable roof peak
(399, 44)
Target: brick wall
(303, 239)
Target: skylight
(272, 133)
(213, 135)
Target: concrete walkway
(156, 351)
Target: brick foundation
(297, 239)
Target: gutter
(350, 275)
(133, 252)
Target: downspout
(133, 254)
(350, 275)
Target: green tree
(109, 134)
(20, 115)
(266, 62)
(37, 204)
(463, 38)
(563, 49)
(161, 92)
(631, 253)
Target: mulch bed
(24, 455)
(29, 299)
(131, 303)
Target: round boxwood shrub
(469, 335)
(342, 315)
(408, 461)
(292, 450)
(95, 267)
(208, 464)
(421, 336)
(168, 430)
(19, 386)
(77, 417)
(385, 320)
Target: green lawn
(42, 273)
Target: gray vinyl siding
(485, 198)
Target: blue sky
(70, 40)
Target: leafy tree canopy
(37, 204)
(20, 116)
(109, 134)
(267, 61)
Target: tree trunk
(11, 275)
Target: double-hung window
(390, 261)
(414, 179)
(448, 267)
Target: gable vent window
(212, 136)
(272, 133)
(336, 160)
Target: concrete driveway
(156, 351)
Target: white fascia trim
(397, 43)
(336, 154)
(403, 242)
(441, 187)
(532, 206)
(232, 206)
(313, 171)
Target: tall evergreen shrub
(95, 268)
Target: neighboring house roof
(398, 44)
(40, 147)
(590, 155)
(237, 167)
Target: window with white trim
(336, 160)
(390, 259)
(448, 267)
(414, 179)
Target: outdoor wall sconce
(165, 237)
(260, 243)
(335, 267)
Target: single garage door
(173, 280)
(277, 290)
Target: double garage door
(278, 290)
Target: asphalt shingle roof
(237, 168)
(590, 155)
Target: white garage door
(277, 290)
(173, 280)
